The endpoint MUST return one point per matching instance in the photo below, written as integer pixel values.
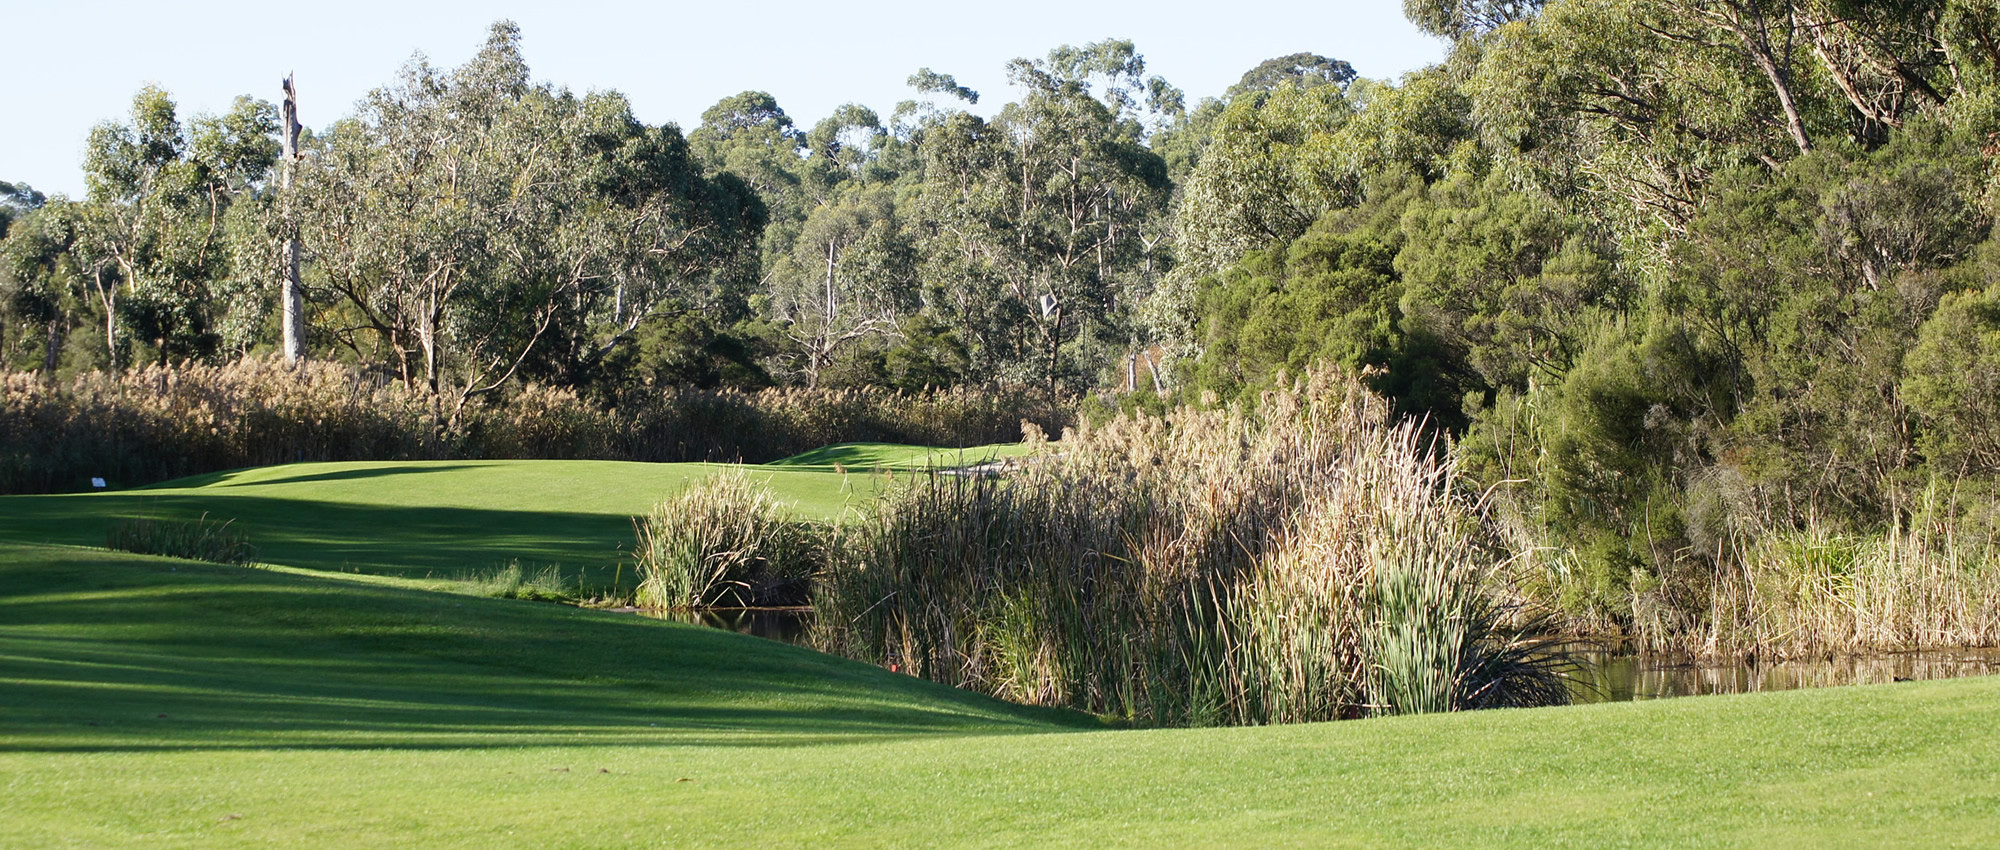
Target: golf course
(345, 691)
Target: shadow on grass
(107, 652)
(229, 477)
(341, 475)
(410, 542)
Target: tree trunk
(293, 298)
(51, 347)
(1753, 29)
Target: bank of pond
(1596, 670)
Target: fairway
(446, 519)
(160, 703)
(155, 702)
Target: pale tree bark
(293, 297)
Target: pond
(1613, 672)
(1607, 671)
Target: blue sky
(76, 63)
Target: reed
(199, 539)
(723, 542)
(155, 422)
(1205, 567)
(1925, 582)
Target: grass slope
(315, 710)
(444, 519)
(150, 702)
(894, 456)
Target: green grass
(893, 456)
(155, 702)
(438, 519)
(427, 518)
(316, 710)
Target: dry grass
(1208, 567)
(1922, 584)
(155, 423)
(724, 542)
(200, 539)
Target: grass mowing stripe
(437, 520)
(214, 647)
(318, 710)
(337, 710)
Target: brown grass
(154, 423)
(1207, 567)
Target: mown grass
(440, 519)
(893, 456)
(311, 710)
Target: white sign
(97, 482)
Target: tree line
(470, 229)
(1677, 275)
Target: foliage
(469, 226)
(1042, 227)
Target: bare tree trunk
(52, 346)
(1771, 54)
(293, 298)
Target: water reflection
(1606, 672)
(1609, 672)
(784, 624)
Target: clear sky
(74, 63)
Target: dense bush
(153, 423)
(1308, 562)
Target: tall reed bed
(1923, 583)
(153, 423)
(723, 542)
(1307, 561)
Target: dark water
(1612, 673)
(785, 624)
(1605, 672)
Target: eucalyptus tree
(1627, 107)
(749, 136)
(1268, 175)
(1044, 227)
(849, 279)
(16, 200)
(845, 275)
(471, 226)
(1633, 105)
(157, 220)
(39, 280)
(1462, 19)
(1303, 70)
(1269, 167)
